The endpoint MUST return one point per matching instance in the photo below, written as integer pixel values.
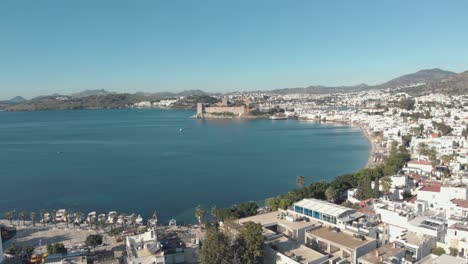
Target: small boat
(91, 218)
(111, 217)
(102, 217)
(278, 117)
(172, 222)
(139, 220)
(121, 220)
(78, 220)
(60, 215)
(45, 219)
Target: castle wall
(237, 110)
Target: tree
(78, 216)
(57, 248)
(386, 184)
(93, 241)
(22, 217)
(300, 181)
(199, 213)
(438, 251)
(453, 251)
(215, 214)
(33, 218)
(10, 216)
(331, 194)
(446, 159)
(215, 248)
(43, 212)
(423, 149)
(249, 244)
(407, 194)
(65, 214)
(376, 188)
(53, 215)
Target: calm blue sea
(139, 160)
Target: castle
(222, 109)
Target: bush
(57, 248)
(93, 240)
(438, 251)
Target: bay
(140, 161)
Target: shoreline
(373, 146)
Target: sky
(63, 47)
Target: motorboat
(60, 215)
(111, 217)
(172, 222)
(91, 218)
(139, 220)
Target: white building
(440, 196)
(327, 213)
(145, 249)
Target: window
(298, 209)
(316, 215)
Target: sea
(163, 161)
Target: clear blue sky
(215, 45)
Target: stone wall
(237, 110)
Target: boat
(139, 220)
(102, 218)
(78, 219)
(60, 215)
(111, 217)
(172, 222)
(278, 117)
(121, 220)
(91, 218)
(45, 219)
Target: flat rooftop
(290, 248)
(273, 218)
(340, 238)
(386, 251)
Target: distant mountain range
(423, 78)
(418, 83)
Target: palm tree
(102, 220)
(386, 184)
(300, 181)
(43, 212)
(199, 213)
(53, 215)
(446, 159)
(215, 214)
(122, 216)
(65, 214)
(10, 216)
(32, 215)
(21, 216)
(78, 216)
(423, 149)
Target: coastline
(373, 146)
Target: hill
(454, 85)
(87, 93)
(420, 77)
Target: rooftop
(420, 162)
(341, 238)
(323, 207)
(430, 188)
(273, 218)
(290, 248)
(442, 259)
(460, 202)
(386, 251)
